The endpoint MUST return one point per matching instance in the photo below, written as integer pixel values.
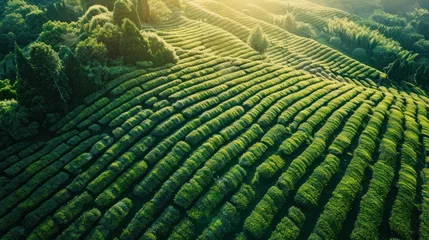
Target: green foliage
(56, 33)
(359, 53)
(305, 30)
(422, 76)
(93, 11)
(388, 19)
(335, 41)
(7, 90)
(257, 40)
(21, 23)
(91, 50)
(159, 12)
(61, 12)
(125, 9)
(116, 214)
(260, 218)
(270, 167)
(375, 44)
(42, 85)
(394, 6)
(15, 123)
(422, 47)
(134, 46)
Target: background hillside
(214, 119)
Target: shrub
(116, 214)
(335, 41)
(305, 30)
(270, 167)
(91, 50)
(81, 225)
(359, 53)
(93, 11)
(159, 12)
(261, 217)
(257, 40)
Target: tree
(92, 12)
(15, 123)
(257, 40)
(393, 6)
(159, 12)
(163, 52)
(422, 76)
(359, 53)
(133, 45)
(42, 86)
(143, 9)
(27, 80)
(7, 90)
(125, 9)
(91, 50)
(394, 71)
(78, 80)
(53, 87)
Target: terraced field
(304, 143)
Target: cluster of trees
(21, 23)
(289, 23)
(69, 60)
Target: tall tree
(422, 76)
(257, 40)
(28, 79)
(133, 46)
(78, 80)
(394, 71)
(125, 9)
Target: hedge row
(115, 168)
(402, 210)
(121, 184)
(307, 112)
(298, 92)
(261, 217)
(162, 148)
(34, 200)
(306, 101)
(26, 189)
(116, 214)
(228, 216)
(162, 169)
(372, 204)
(214, 125)
(345, 138)
(290, 226)
(274, 135)
(335, 212)
(163, 225)
(309, 193)
(169, 188)
(270, 167)
(252, 154)
(81, 225)
(84, 114)
(50, 145)
(299, 165)
(224, 185)
(69, 211)
(204, 176)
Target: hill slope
(302, 143)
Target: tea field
(302, 143)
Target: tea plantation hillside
(301, 142)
